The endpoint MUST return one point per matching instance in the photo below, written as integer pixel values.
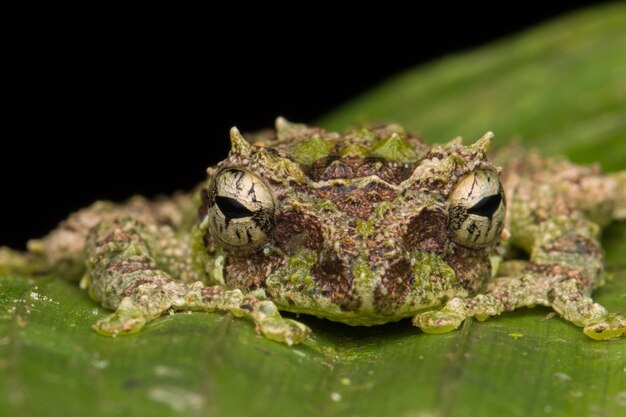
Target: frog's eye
(241, 208)
(477, 209)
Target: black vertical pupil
(486, 206)
(231, 208)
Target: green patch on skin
(311, 150)
(366, 134)
(364, 228)
(281, 167)
(212, 264)
(297, 270)
(394, 148)
(495, 261)
(457, 160)
(363, 282)
(362, 274)
(426, 266)
(354, 149)
(482, 145)
(381, 208)
(325, 205)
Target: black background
(134, 97)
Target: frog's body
(364, 228)
(361, 225)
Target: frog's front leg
(564, 267)
(507, 294)
(129, 272)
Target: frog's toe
(125, 320)
(608, 327)
(13, 262)
(438, 321)
(117, 324)
(284, 330)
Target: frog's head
(358, 227)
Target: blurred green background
(560, 87)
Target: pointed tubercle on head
(281, 123)
(239, 145)
(482, 145)
(287, 130)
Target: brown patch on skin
(249, 273)
(560, 272)
(472, 268)
(319, 170)
(390, 171)
(136, 284)
(130, 265)
(334, 169)
(435, 154)
(375, 252)
(350, 167)
(393, 287)
(336, 284)
(428, 231)
(211, 292)
(296, 230)
(357, 202)
(578, 245)
(247, 306)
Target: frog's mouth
(359, 294)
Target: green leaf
(561, 87)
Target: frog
(365, 227)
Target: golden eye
(241, 208)
(477, 209)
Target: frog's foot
(10, 261)
(283, 330)
(597, 322)
(127, 319)
(439, 321)
(148, 301)
(270, 324)
(607, 327)
(265, 314)
(13, 262)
